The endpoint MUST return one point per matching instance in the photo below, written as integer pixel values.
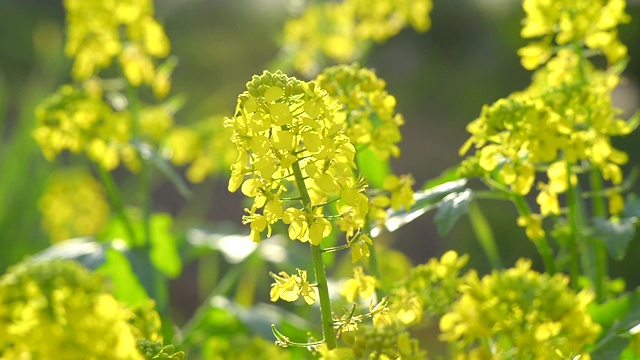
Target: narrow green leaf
(631, 206)
(450, 209)
(616, 235)
(483, 232)
(165, 168)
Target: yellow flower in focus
(73, 204)
(291, 287)
(290, 142)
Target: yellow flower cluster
(206, 146)
(338, 30)
(101, 30)
(242, 347)
(371, 119)
(78, 120)
(572, 23)
(291, 145)
(519, 313)
(387, 342)
(93, 116)
(73, 204)
(429, 289)
(563, 122)
(564, 119)
(58, 310)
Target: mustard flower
(59, 310)
(371, 120)
(387, 341)
(566, 22)
(99, 31)
(429, 289)
(340, 31)
(73, 204)
(519, 313)
(561, 124)
(361, 285)
(291, 145)
(291, 287)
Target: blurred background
(441, 80)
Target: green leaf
(125, 285)
(451, 208)
(375, 169)
(164, 250)
(482, 229)
(623, 314)
(631, 206)
(426, 200)
(616, 235)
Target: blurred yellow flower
(73, 204)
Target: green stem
(578, 244)
(318, 267)
(599, 210)
(541, 243)
(116, 202)
(144, 184)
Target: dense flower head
(291, 145)
(77, 119)
(206, 146)
(428, 290)
(59, 310)
(519, 313)
(559, 126)
(387, 341)
(100, 30)
(569, 23)
(340, 30)
(371, 119)
(73, 204)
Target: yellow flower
(519, 313)
(73, 204)
(291, 287)
(290, 142)
(360, 285)
(53, 310)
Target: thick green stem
(541, 243)
(318, 268)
